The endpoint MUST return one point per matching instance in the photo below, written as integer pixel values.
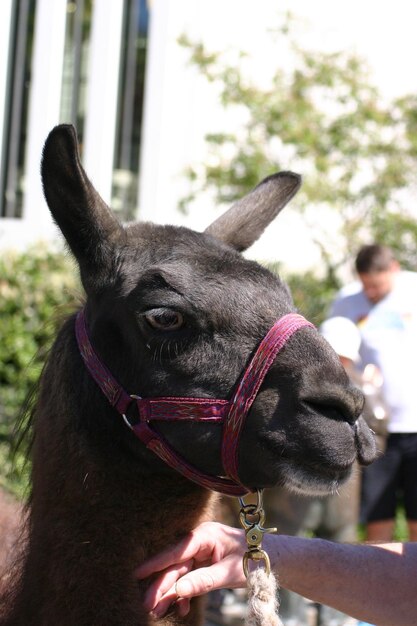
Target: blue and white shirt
(389, 340)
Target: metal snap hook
(256, 555)
(252, 518)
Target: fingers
(213, 549)
(164, 585)
(197, 583)
(183, 605)
(197, 545)
(227, 573)
(181, 592)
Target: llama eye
(164, 319)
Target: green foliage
(36, 289)
(320, 116)
(400, 233)
(312, 295)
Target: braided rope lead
(262, 585)
(262, 599)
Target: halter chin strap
(231, 414)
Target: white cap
(343, 335)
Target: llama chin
(303, 482)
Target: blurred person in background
(345, 339)
(383, 305)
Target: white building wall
(44, 107)
(100, 122)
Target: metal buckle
(134, 397)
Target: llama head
(173, 312)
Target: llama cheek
(198, 443)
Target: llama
(176, 314)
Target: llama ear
(246, 220)
(85, 220)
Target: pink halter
(231, 413)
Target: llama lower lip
(311, 456)
(307, 482)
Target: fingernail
(183, 588)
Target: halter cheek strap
(231, 414)
(250, 384)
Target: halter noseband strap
(231, 414)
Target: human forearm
(374, 583)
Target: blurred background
(181, 106)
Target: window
(74, 78)
(130, 108)
(16, 109)
(73, 90)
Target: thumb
(227, 573)
(196, 583)
(193, 584)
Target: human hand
(210, 557)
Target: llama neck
(83, 550)
(96, 512)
